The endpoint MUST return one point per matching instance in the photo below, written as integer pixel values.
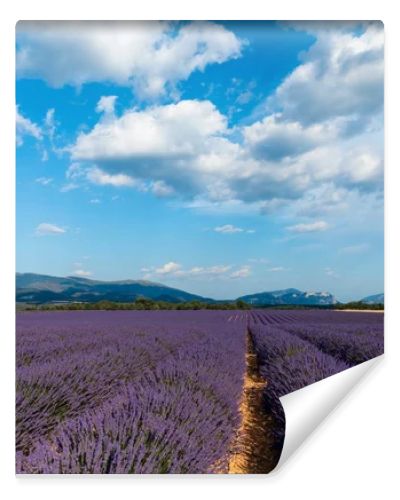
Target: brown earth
(251, 451)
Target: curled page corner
(305, 409)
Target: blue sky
(221, 158)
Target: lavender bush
(128, 392)
(160, 391)
(298, 348)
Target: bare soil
(252, 450)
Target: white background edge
(325, 466)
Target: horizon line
(193, 293)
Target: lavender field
(172, 391)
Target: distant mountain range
(290, 296)
(39, 289)
(374, 299)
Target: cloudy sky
(221, 158)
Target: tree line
(140, 304)
(145, 304)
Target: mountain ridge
(42, 288)
(290, 296)
(378, 298)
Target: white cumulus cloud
(228, 229)
(161, 189)
(98, 176)
(231, 229)
(341, 76)
(173, 270)
(284, 154)
(243, 272)
(309, 227)
(315, 140)
(211, 271)
(82, 273)
(150, 57)
(106, 104)
(275, 138)
(174, 131)
(50, 123)
(24, 126)
(49, 229)
(44, 181)
(170, 267)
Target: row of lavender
(130, 392)
(349, 337)
(298, 348)
(143, 392)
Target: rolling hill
(39, 288)
(34, 288)
(379, 298)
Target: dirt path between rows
(251, 452)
